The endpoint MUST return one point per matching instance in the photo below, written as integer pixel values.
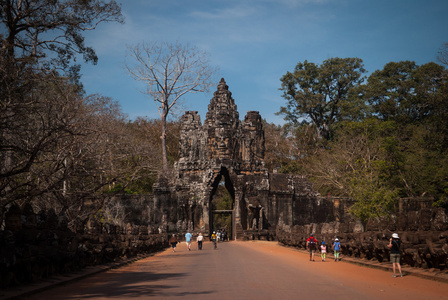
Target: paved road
(244, 270)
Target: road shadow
(131, 284)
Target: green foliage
(389, 135)
(315, 93)
(372, 198)
(222, 201)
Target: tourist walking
(200, 238)
(394, 246)
(311, 244)
(323, 251)
(214, 239)
(336, 249)
(188, 240)
(224, 235)
(173, 242)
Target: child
(323, 251)
(200, 239)
(173, 241)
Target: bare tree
(170, 70)
(443, 54)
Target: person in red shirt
(311, 244)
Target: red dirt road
(244, 270)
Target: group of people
(221, 235)
(217, 236)
(188, 239)
(394, 246)
(312, 246)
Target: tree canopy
(388, 134)
(50, 32)
(315, 93)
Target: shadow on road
(132, 284)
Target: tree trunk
(163, 138)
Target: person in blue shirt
(337, 249)
(188, 240)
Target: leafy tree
(315, 93)
(389, 91)
(51, 31)
(431, 90)
(404, 91)
(358, 164)
(170, 71)
(389, 138)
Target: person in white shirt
(200, 239)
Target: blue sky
(255, 42)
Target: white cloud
(239, 11)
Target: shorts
(395, 258)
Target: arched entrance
(222, 204)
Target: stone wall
(36, 246)
(422, 229)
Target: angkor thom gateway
(226, 149)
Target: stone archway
(222, 176)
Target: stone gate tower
(224, 148)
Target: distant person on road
(200, 239)
(394, 246)
(311, 244)
(323, 251)
(336, 249)
(188, 240)
(173, 242)
(214, 237)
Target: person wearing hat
(337, 249)
(323, 251)
(214, 239)
(394, 246)
(311, 244)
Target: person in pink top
(323, 251)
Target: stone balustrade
(37, 246)
(424, 235)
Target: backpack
(312, 243)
